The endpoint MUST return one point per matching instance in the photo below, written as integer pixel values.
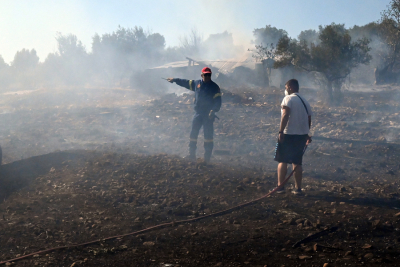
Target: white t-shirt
(298, 119)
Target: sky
(34, 24)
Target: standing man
(293, 134)
(207, 101)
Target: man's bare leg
(298, 175)
(282, 170)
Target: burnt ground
(87, 164)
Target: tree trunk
(265, 76)
(337, 92)
(269, 71)
(329, 91)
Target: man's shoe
(280, 190)
(298, 192)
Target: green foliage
(3, 64)
(334, 57)
(264, 53)
(309, 36)
(25, 60)
(369, 31)
(390, 33)
(5, 77)
(128, 41)
(68, 66)
(69, 45)
(116, 55)
(268, 35)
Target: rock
(376, 223)
(307, 223)
(397, 214)
(240, 188)
(305, 257)
(367, 246)
(348, 253)
(148, 244)
(368, 256)
(327, 265)
(391, 172)
(308, 249)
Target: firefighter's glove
(171, 80)
(211, 115)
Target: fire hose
(159, 226)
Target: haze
(34, 25)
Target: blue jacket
(207, 95)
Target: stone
(367, 246)
(348, 253)
(305, 257)
(368, 256)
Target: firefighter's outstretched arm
(188, 84)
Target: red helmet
(206, 70)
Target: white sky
(34, 24)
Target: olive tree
(265, 55)
(333, 57)
(390, 35)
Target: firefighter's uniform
(207, 98)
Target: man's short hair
(293, 84)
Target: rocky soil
(87, 164)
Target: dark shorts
(291, 149)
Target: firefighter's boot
(208, 147)
(192, 151)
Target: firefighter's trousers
(208, 128)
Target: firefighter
(206, 103)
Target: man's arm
(217, 101)
(284, 121)
(188, 84)
(309, 140)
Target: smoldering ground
(120, 182)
